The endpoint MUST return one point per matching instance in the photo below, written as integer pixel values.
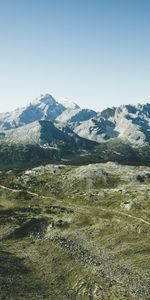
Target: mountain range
(127, 122)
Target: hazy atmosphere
(93, 52)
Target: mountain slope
(129, 123)
(44, 107)
(46, 133)
(67, 103)
(75, 115)
(71, 232)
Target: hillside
(75, 233)
(74, 202)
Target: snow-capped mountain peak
(67, 103)
(46, 99)
(127, 122)
(43, 107)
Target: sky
(95, 52)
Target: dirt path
(115, 211)
(132, 217)
(116, 277)
(9, 189)
(30, 193)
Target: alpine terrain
(75, 202)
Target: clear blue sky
(96, 52)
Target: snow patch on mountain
(127, 122)
(44, 107)
(67, 103)
(75, 115)
(98, 131)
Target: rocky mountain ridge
(128, 122)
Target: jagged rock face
(38, 132)
(49, 107)
(44, 107)
(129, 123)
(11, 120)
(75, 115)
(96, 130)
(47, 134)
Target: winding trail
(115, 211)
(132, 217)
(115, 276)
(30, 193)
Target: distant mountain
(44, 107)
(46, 134)
(95, 129)
(75, 115)
(67, 103)
(129, 123)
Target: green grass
(68, 241)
